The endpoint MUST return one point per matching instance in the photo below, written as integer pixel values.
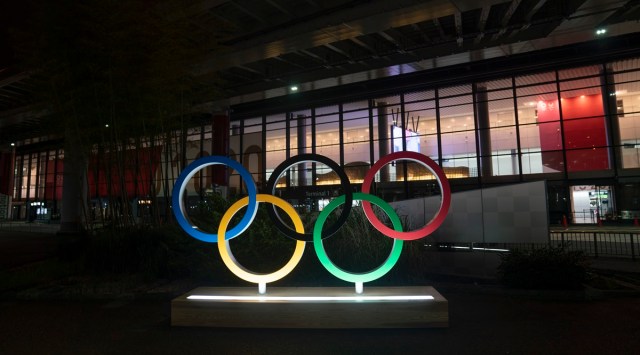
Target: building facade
(574, 124)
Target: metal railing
(622, 244)
(31, 227)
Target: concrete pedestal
(311, 307)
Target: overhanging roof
(319, 44)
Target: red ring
(445, 202)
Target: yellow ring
(230, 260)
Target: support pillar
(483, 125)
(302, 144)
(383, 138)
(74, 188)
(220, 146)
(610, 106)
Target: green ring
(357, 277)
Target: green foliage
(261, 248)
(35, 274)
(546, 268)
(357, 246)
(168, 252)
(154, 253)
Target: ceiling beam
(436, 23)
(505, 20)
(362, 44)
(338, 50)
(510, 11)
(458, 21)
(353, 23)
(482, 22)
(288, 62)
(246, 11)
(424, 36)
(534, 11)
(279, 7)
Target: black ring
(344, 181)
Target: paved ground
(483, 320)
(480, 323)
(19, 248)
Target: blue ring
(178, 193)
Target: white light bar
(476, 248)
(490, 249)
(263, 298)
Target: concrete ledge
(311, 307)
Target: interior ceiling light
(601, 31)
(293, 88)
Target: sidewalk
(616, 264)
(480, 323)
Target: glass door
(590, 203)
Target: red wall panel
(137, 176)
(584, 133)
(6, 173)
(53, 180)
(220, 146)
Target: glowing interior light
(262, 298)
(294, 88)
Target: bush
(153, 252)
(546, 268)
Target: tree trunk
(74, 188)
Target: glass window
(626, 91)
(276, 138)
(356, 140)
(458, 133)
(300, 133)
(386, 116)
(540, 133)
(249, 152)
(422, 122)
(495, 115)
(42, 170)
(585, 132)
(328, 134)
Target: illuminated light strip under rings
(309, 298)
(230, 260)
(179, 210)
(393, 257)
(445, 201)
(344, 182)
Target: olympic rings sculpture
(318, 234)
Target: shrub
(153, 252)
(546, 268)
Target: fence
(618, 244)
(594, 244)
(32, 227)
(609, 244)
